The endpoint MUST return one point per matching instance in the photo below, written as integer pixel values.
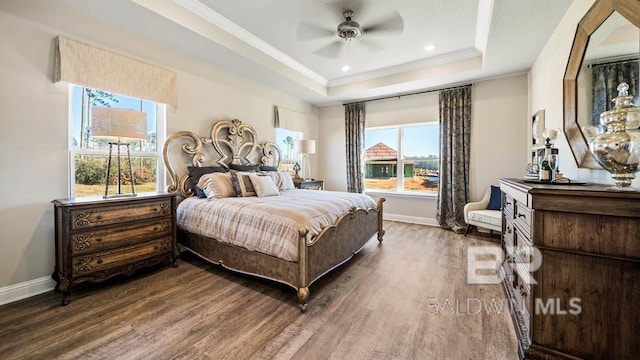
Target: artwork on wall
(537, 128)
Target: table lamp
(305, 148)
(125, 126)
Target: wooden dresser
(582, 245)
(99, 238)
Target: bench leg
(466, 231)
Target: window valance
(93, 67)
(290, 120)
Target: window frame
(161, 135)
(399, 191)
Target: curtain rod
(401, 95)
(614, 60)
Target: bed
(314, 247)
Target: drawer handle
(99, 239)
(155, 209)
(99, 217)
(522, 215)
(155, 228)
(508, 203)
(99, 261)
(156, 247)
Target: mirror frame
(598, 13)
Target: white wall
(34, 136)
(498, 139)
(545, 89)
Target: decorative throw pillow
(242, 183)
(217, 185)
(195, 172)
(495, 201)
(264, 185)
(244, 167)
(287, 181)
(268, 168)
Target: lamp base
(133, 187)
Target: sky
(418, 140)
(124, 102)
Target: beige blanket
(269, 224)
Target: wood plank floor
(380, 305)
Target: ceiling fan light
(430, 47)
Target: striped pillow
(217, 185)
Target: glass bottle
(545, 172)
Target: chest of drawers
(100, 238)
(570, 270)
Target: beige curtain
(290, 120)
(89, 66)
(455, 146)
(355, 116)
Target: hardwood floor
(386, 303)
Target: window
(286, 140)
(402, 158)
(89, 155)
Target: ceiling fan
(350, 30)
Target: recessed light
(430, 47)
(346, 68)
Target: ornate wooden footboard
(236, 143)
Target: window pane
(420, 158)
(381, 159)
(286, 141)
(91, 173)
(83, 100)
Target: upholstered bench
(485, 213)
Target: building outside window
(402, 158)
(89, 155)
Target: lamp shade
(122, 124)
(305, 146)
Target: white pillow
(217, 185)
(264, 185)
(282, 180)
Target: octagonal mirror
(605, 52)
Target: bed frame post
(380, 222)
(303, 289)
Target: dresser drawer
(509, 205)
(523, 216)
(116, 214)
(104, 239)
(507, 236)
(100, 261)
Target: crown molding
(410, 66)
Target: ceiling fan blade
(391, 24)
(332, 50)
(306, 31)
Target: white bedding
(269, 224)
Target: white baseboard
(26, 289)
(411, 219)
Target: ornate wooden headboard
(230, 142)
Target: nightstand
(100, 238)
(313, 184)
